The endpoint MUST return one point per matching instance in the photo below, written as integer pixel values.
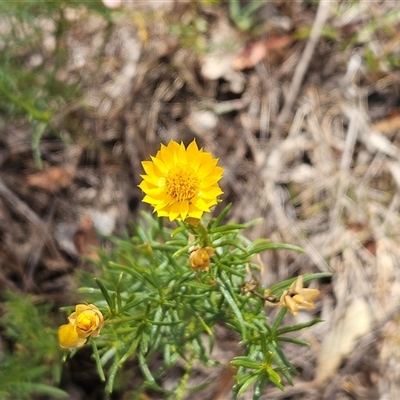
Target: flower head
(181, 183)
(298, 298)
(85, 321)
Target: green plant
(30, 363)
(33, 50)
(377, 37)
(191, 34)
(244, 17)
(162, 289)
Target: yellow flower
(199, 259)
(85, 321)
(181, 183)
(298, 298)
(68, 337)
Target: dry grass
(309, 138)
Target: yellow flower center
(86, 320)
(182, 182)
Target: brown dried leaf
(86, 240)
(52, 180)
(342, 338)
(389, 124)
(256, 51)
(225, 383)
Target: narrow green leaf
(278, 320)
(261, 384)
(145, 369)
(230, 228)
(46, 390)
(293, 340)
(134, 303)
(36, 137)
(274, 246)
(203, 324)
(297, 327)
(282, 363)
(230, 300)
(248, 383)
(89, 290)
(98, 361)
(110, 301)
(108, 355)
(179, 230)
(118, 291)
(144, 342)
(274, 377)
(221, 216)
(111, 375)
(246, 362)
(183, 250)
(233, 243)
(263, 342)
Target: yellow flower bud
(68, 338)
(199, 259)
(85, 321)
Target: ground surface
(303, 112)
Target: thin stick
(302, 67)
(20, 207)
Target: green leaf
(274, 377)
(281, 362)
(118, 291)
(111, 375)
(278, 320)
(179, 230)
(273, 246)
(131, 350)
(110, 301)
(248, 382)
(134, 303)
(145, 369)
(246, 362)
(233, 243)
(46, 390)
(293, 340)
(297, 327)
(89, 290)
(38, 132)
(221, 216)
(230, 300)
(98, 361)
(231, 228)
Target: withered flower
(298, 298)
(199, 258)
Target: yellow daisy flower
(181, 183)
